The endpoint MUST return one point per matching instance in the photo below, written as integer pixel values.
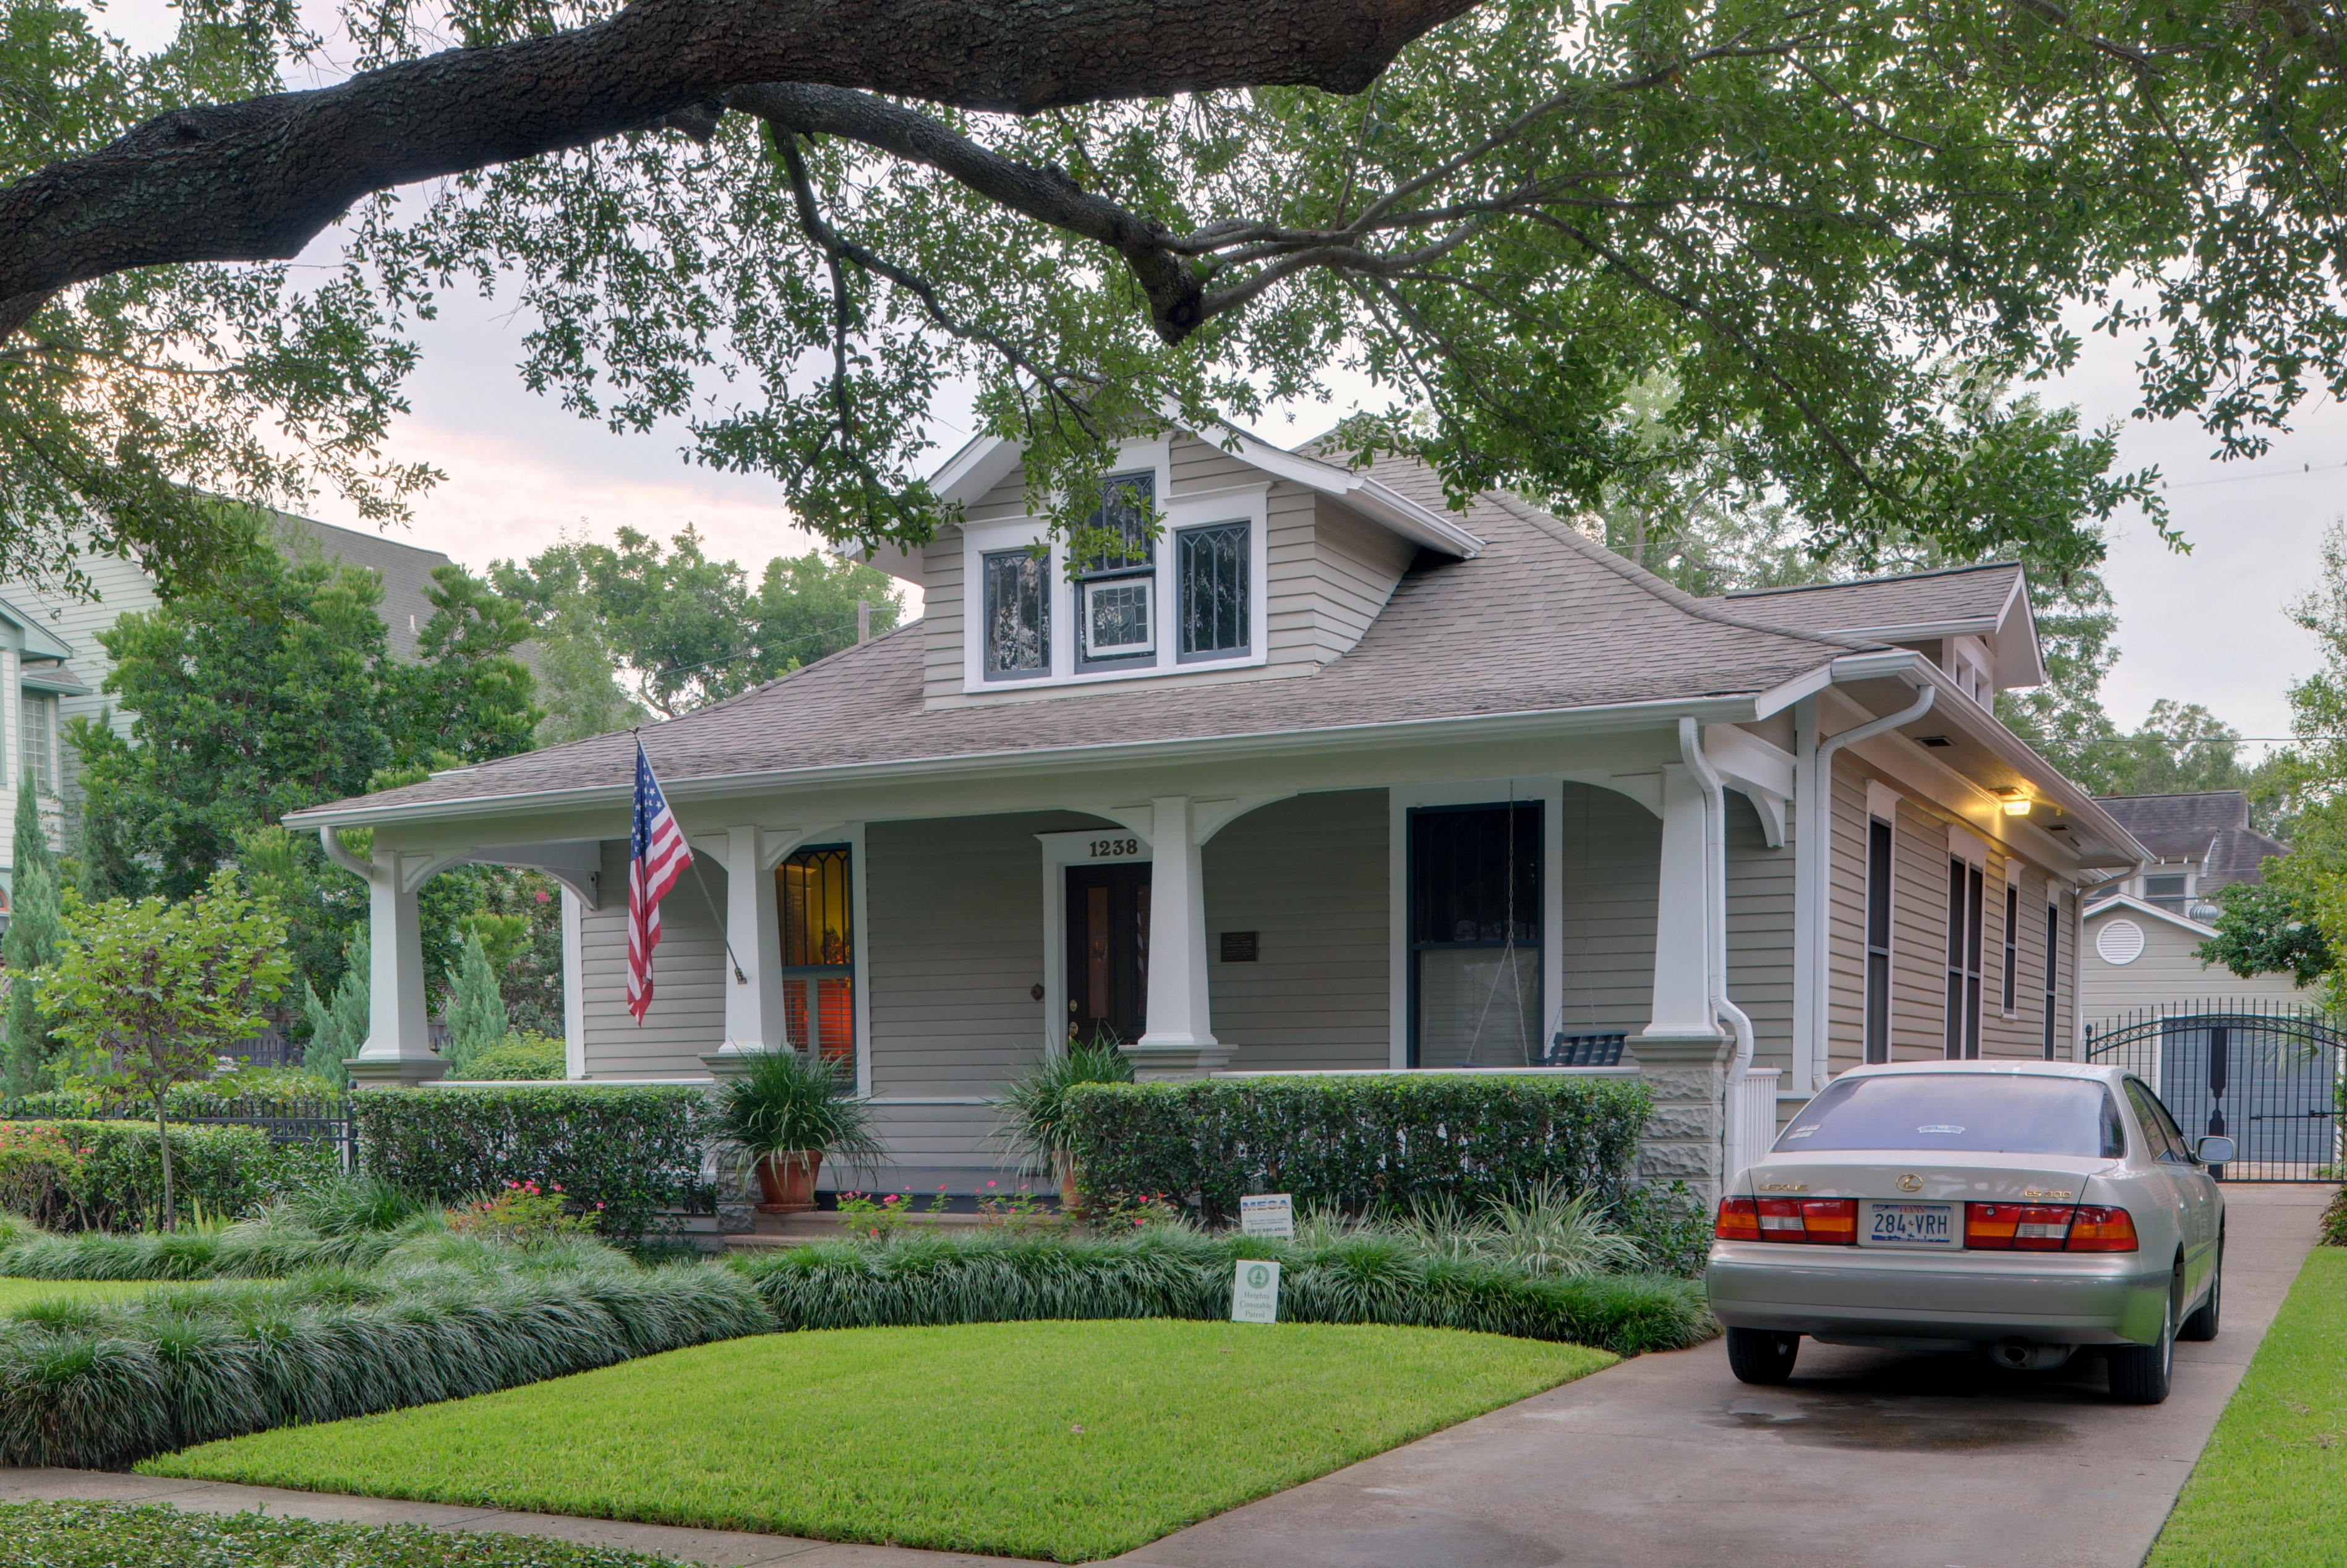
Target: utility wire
(2269, 474)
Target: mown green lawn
(1064, 1440)
(2271, 1490)
(17, 1292)
(118, 1535)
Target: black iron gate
(2266, 1074)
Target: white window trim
(1400, 799)
(1250, 504)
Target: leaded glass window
(818, 951)
(1210, 572)
(1118, 581)
(1117, 620)
(1117, 537)
(1018, 613)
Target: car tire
(2141, 1374)
(2202, 1324)
(1761, 1355)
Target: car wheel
(2202, 1324)
(2140, 1373)
(1761, 1355)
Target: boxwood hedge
(108, 1176)
(624, 1154)
(1367, 1145)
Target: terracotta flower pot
(787, 1181)
(1070, 1199)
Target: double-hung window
(2053, 969)
(40, 712)
(2011, 947)
(1018, 610)
(1878, 940)
(818, 933)
(1117, 574)
(1966, 889)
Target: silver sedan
(2023, 1209)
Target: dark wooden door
(1108, 952)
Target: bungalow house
(1322, 777)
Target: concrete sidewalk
(1868, 1459)
(727, 1548)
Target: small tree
(33, 934)
(477, 1006)
(163, 988)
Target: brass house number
(1115, 848)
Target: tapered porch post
(398, 1049)
(753, 996)
(1178, 1038)
(1684, 1051)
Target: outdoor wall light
(2017, 805)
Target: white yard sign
(1255, 1292)
(1267, 1213)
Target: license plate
(1908, 1225)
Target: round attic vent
(2120, 942)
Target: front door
(1108, 952)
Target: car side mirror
(2215, 1150)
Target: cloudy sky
(2204, 627)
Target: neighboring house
(53, 669)
(2200, 844)
(1325, 777)
(2143, 935)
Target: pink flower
(542, 898)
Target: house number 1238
(1114, 848)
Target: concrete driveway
(1866, 1457)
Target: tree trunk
(255, 181)
(163, 1139)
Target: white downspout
(1817, 841)
(1715, 946)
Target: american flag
(657, 856)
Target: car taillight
(2016, 1228)
(1830, 1221)
(2047, 1227)
(2102, 1230)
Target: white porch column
(398, 1049)
(1682, 916)
(1178, 1039)
(754, 997)
(574, 987)
(1684, 1053)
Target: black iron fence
(326, 1120)
(2266, 1073)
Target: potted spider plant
(784, 1114)
(1034, 1107)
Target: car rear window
(1973, 1113)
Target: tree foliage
(684, 629)
(34, 930)
(476, 1009)
(1840, 232)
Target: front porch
(1436, 919)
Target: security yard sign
(1255, 1292)
(1267, 1213)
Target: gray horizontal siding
(1309, 877)
(1609, 881)
(687, 1017)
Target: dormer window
(1159, 581)
(1018, 617)
(1119, 579)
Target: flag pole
(739, 978)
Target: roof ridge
(1873, 581)
(1656, 586)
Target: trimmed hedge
(108, 1176)
(636, 1150)
(941, 1279)
(98, 1385)
(1361, 1145)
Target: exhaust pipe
(2026, 1355)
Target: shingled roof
(2209, 825)
(1542, 620)
(1986, 602)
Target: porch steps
(825, 1224)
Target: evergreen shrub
(108, 1176)
(524, 1055)
(635, 1149)
(1359, 1145)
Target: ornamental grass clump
(99, 1385)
